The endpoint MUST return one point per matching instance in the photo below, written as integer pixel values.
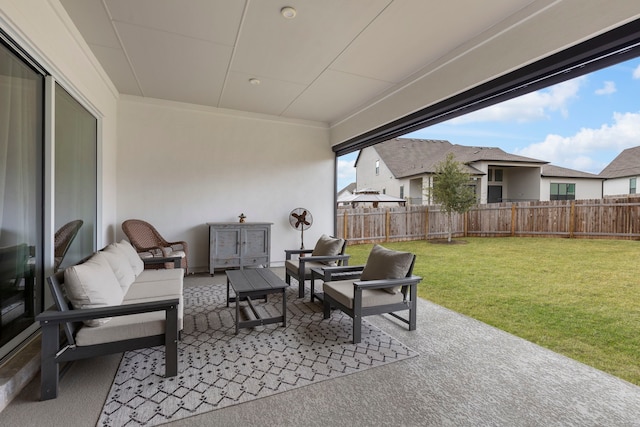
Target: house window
(563, 191)
(377, 167)
(494, 175)
(402, 191)
(632, 186)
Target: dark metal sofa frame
(408, 284)
(70, 319)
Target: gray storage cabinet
(239, 245)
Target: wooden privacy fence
(614, 218)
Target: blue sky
(581, 124)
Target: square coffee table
(255, 283)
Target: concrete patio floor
(467, 374)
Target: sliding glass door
(75, 180)
(21, 129)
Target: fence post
(465, 226)
(426, 222)
(344, 225)
(572, 219)
(513, 220)
(387, 225)
(628, 217)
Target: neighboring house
(347, 191)
(622, 174)
(558, 183)
(404, 168)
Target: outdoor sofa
(110, 304)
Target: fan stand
(300, 218)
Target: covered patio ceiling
(352, 65)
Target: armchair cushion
(134, 259)
(328, 246)
(294, 264)
(384, 263)
(342, 291)
(93, 284)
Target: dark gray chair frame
(409, 289)
(305, 256)
(70, 319)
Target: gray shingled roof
(350, 188)
(407, 157)
(626, 164)
(560, 172)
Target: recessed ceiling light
(288, 12)
(254, 81)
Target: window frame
(565, 189)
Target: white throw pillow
(93, 284)
(120, 266)
(134, 259)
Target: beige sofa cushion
(120, 266)
(171, 274)
(384, 263)
(342, 291)
(122, 328)
(134, 259)
(158, 285)
(93, 284)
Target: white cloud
(636, 72)
(608, 88)
(530, 107)
(579, 151)
(346, 173)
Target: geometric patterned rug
(218, 368)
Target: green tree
(451, 189)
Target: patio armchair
(63, 239)
(149, 244)
(328, 251)
(385, 284)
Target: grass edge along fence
(610, 218)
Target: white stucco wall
(366, 174)
(177, 165)
(181, 166)
(618, 186)
(523, 184)
(585, 188)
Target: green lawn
(577, 297)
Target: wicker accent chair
(149, 243)
(328, 251)
(386, 284)
(62, 241)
